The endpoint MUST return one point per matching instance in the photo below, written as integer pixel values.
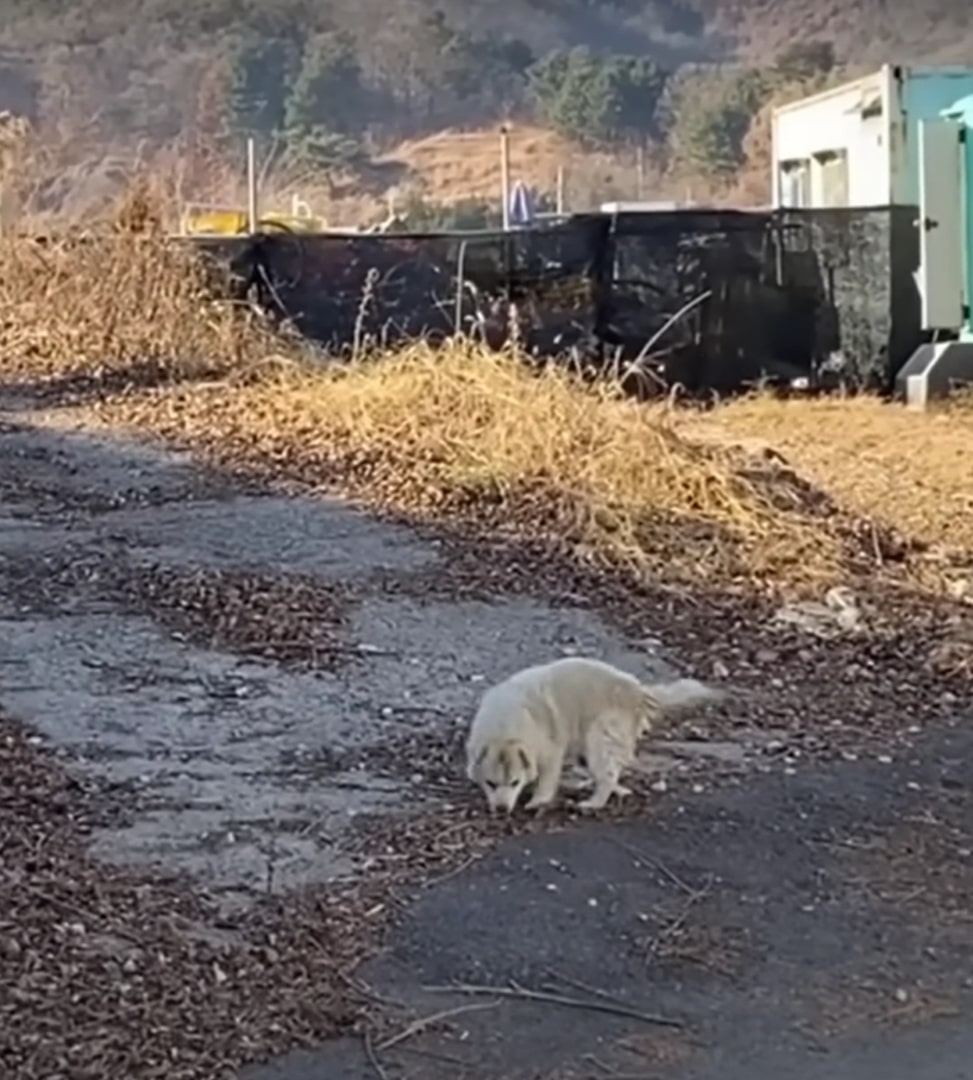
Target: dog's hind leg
(607, 756)
(548, 780)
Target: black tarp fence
(713, 299)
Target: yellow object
(222, 222)
(229, 221)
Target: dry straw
(462, 431)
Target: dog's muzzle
(504, 803)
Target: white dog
(574, 709)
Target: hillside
(352, 99)
(865, 32)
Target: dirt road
(255, 678)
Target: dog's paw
(539, 805)
(599, 800)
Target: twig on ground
(363, 990)
(631, 1076)
(435, 1055)
(656, 864)
(525, 994)
(90, 917)
(611, 1074)
(680, 920)
(578, 985)
(373, 1058)
(876, 545)
(271, 865)
(455, 872)
(417, 1027)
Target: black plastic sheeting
(715, 300)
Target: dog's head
(503, 770)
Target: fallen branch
(656, 864)
(680, 920)
(417, 1027)
(373, 1058)
(578, 985)
(524, 994)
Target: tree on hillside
(261, 71)
(438, 73)
(597, 99)
(805, 60)
(712, 116)
(328, 104)
(638, 84)
(329, 89)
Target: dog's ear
(530, 767)
(474, 762)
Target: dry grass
(454, 165)
(114, 307)
(461, 432)
(912, 471)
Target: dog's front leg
(548, 781)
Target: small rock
(901, 995)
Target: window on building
(795, 183)
(829, 178)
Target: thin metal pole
(460, 286)
(640, 172)
(505, 175)
(560, 190)
(253, 219)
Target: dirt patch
(719, 911)
(288, 619)
(109, 972)
(880, 685)
(106, 973)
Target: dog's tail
(670, 697)
(682, 693)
